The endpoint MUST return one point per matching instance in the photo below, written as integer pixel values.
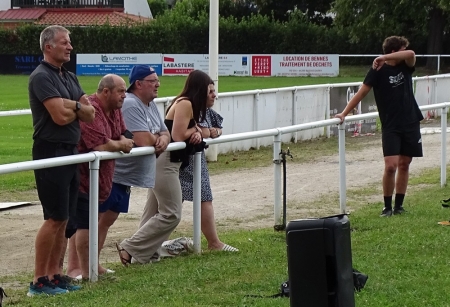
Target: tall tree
(316, 10)
(381, 18)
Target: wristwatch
(77, 106)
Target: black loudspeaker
(320, 262)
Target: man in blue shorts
(106, 133)
(143, 119)
(57, 105)
(391, 79)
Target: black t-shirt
(46, 82)
(394, 96)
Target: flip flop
(229, 248)
(125, 261)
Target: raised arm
(403, 55)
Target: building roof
(21, 14)
(71, 17)
(77, 17)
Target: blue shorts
(119, 199)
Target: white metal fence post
(94, 167)
(438, 63)
(197, 202)
(444, 146)
(327, 115)
(278, 218)
(342, 174)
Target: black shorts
(81, 218)
(405, 141)
(57, 187)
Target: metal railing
(67, 3)
(94, 159)
(439, 56)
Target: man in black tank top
(391, 79)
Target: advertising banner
(120, 64)
(261, 65)
(24, 64)
(306, 65)
(339, 98)
(183, 64)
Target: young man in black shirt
(391, 79)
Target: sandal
(229, 248)
(125, 261)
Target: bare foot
(125, 258)
(102, 270)
(216, 246)
(74, 273)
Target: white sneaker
(176, 247)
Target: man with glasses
(143, 119)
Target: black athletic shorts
(81, 218)
(405, 141)
(57, 187)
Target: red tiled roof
(21, 14)
(88, 17)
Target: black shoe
(387, 212)
(399, 210)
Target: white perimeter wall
(271, 108)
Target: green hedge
(185, 30)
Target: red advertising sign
(262, 65)
(179, 66)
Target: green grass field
(16, 95)
(404, 256)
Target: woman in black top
(162, 212)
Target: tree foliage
(157, 7)
(315, 10)
(418, 20)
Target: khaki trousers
(161, 215)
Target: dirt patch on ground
(243, 199)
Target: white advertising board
(120, 64)
(287, 65)
(264, 65)
(182, 64)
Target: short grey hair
(48, 35)
(106, 82)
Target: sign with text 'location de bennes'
(120, 64)
(293, 65)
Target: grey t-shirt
(46, 82)
(139, 171)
